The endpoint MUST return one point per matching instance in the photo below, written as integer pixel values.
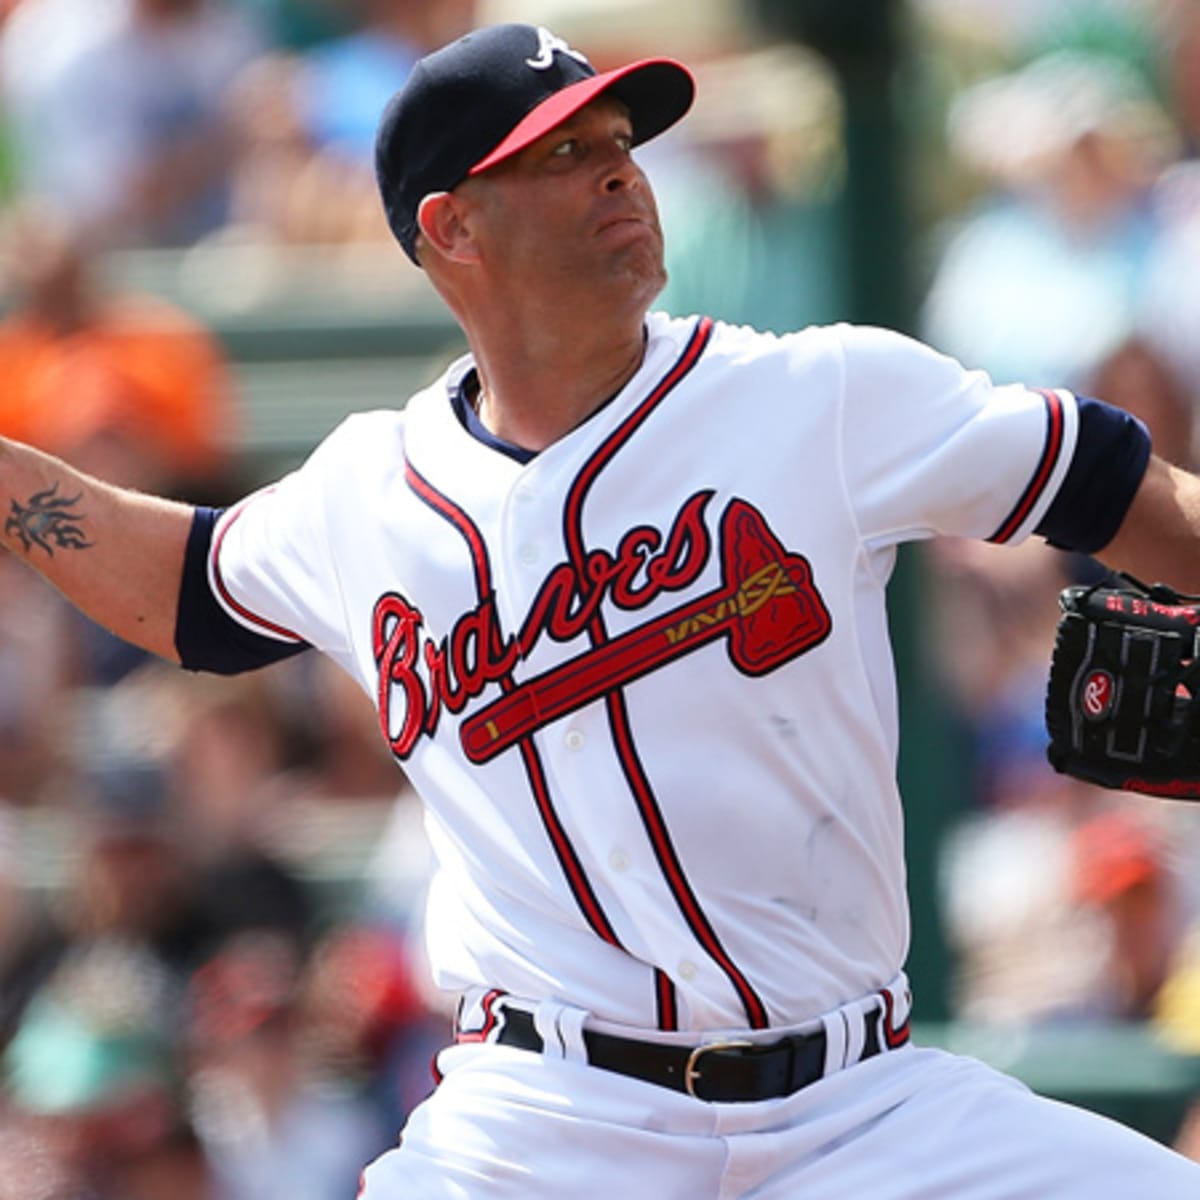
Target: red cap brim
(658, 91)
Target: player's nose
(620, 171)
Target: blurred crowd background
(211, 974)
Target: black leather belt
(724, 1072)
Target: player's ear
(442, 220)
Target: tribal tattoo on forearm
(49, 521)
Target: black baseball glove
(1123, 701)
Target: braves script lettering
(420, 678)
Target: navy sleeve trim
(206, 637)
(1112, 452)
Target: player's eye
(625, 141)
(565, 148)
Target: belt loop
(545, 1021)
(570, 1032)
(837, 1030)
(854, 1020)
(561, 1030)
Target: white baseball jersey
(643, 681)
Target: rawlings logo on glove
(1123, 700)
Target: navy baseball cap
(484, 97)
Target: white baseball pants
(910, 1124)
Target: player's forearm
(115, 554)
(1159, 540)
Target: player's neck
(532, 400)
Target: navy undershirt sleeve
(206, 637)
(1112, 452)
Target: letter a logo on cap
(547, 44)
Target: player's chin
(634, 238)
(636, 250)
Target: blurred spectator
(345, 759)
(369, 1022)
(90, 1074)
(1181, 40)
(1069, 913)
(997, 609)
(7, 182)
(118, 110)
(175, 1167)
(137, 879)
(36, 674)
(29, 1167)
(125, 385)
(345, 83)
(271, 1127)
(1009, 22)
(1169, 315)
(1140, 380)
(12, 901)
(1041, 281)
(298, 24)
(129, 886)
(1024, 949)
(306, 123)
(1119, 869)
(227, 764)
(1169, 318)
(747, 193)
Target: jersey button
(574, 739)
(618, 860)
(528, 554)
(687, 969)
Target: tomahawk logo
(767, 610)
(543, 60)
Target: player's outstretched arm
(115, 554)
(1159, 540)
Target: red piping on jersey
(666, 1000)
(572, 514)
(1051, 448)
(576, 877)
(618, 716)
(446, 508)
(490, 1020)
(893, 1037)
(279, 631)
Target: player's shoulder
(359, 440)
(386, 435)
(726, 338)
(368, 426)
(861, 351)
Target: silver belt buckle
(691, 1072)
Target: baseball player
(616, 583)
